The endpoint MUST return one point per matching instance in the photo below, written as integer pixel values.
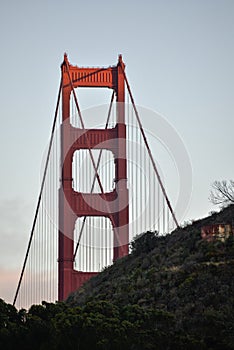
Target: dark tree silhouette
(222, 192)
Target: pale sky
(179, 60)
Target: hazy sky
(179, 58)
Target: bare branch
(222, 193)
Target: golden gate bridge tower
(74, 204)
(81, 224)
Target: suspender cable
(89, 247)
(168, 221)
(94, 180)
(40, 194)
(132, 169)
(159, 208)
(163, 215)
(140, 162)
(151, 204)
(136, 180)
(148, 149)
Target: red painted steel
(113, 205)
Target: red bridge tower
(72, 204)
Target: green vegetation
(171, 292)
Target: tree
(222, 192)
(144, 242)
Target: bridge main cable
(40, 193)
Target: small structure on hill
(218, 232)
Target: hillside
(180, 274)
(173, 292)
(161, 270)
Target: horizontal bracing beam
(93, 77)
